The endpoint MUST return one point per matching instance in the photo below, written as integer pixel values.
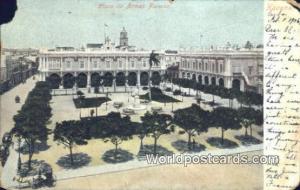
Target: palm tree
(152, 60)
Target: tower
(123, 38)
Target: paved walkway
(109, 168)
(10, 170)
(174, 177)
(8, 108)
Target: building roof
(93, 45)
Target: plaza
(94, 82)
(63, 108)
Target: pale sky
(50, 23)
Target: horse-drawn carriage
(4, 147)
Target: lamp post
(19, 158)
(17, 100)
(106, 98)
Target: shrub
(168, 89)
(177, 92)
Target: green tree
(248, 118)
(248, 45)
(32, 119)
(192, 120)
(70, 133)
(225, 118)
(141, 131)
(157, 125)
(117, 129)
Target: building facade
(95, 64)
(242, 69)
(15, 69)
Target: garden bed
(90, 102)
(158, 96)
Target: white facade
(229, 68)
(219, 67)
(101, 62)
(211, 67)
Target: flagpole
(104, 32)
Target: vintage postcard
(150, 94)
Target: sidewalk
(11, 165)
(10, 170)
(8, 108)
(135, 164)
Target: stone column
(88, 80)
(114, 81)
(61, 82)
(138, 79)
(228, 82)
(242, 87)
(75, 84)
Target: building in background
(232, 68)
(16, 68)
(241, 69)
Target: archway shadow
(261, 133)
(248, 140)
(35, 167)
(217, 142)
(120, 156)
(182, 146)
(149, 150)
(80, 160)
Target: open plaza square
(97, 155)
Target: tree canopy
(192, 120)
(31, 121)
(157, 125)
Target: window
(120, 63)
(107, 64)
(68, 64)
(250, 69)
(81, 64)
(95, 64)
(144, 63)
(132, 64)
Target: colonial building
(124, 64)
(242, 69)
(15, 69)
